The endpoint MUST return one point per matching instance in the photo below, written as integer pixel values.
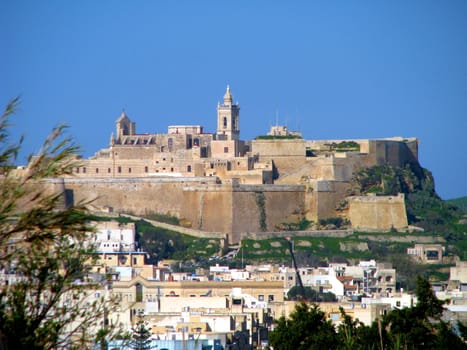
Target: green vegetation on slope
(460, 203)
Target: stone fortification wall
(135, 195)
(328, 167)
(235, 208)
(378, 212)
(229, 208)
(208, 207)
(280, 147)
(286, 154)
(262, 208)
(396, 152)
(323, 197)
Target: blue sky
(331, 69)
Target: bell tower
(228, 127)
(125, 127)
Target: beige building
(459, 272)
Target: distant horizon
(329, 69)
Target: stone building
(185, 150)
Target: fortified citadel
(217, 182)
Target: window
(170, 143)
(226, 149)
(77, 170)
(84, 170)
(139, 292)
(270, 297)
(145, 169)
(129, 170)
(188, 168)
(119, 169)
(97, 170)
(108, 170)
(172, 170)
(225, 122)
(261, 297)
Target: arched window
(225, 122)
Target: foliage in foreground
(418, 327)
(43, 251)
(310, 294)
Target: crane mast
(298, 277)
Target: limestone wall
(395, 152)
(261, 208)
(208, 207)
(286, 154)
(377, 212)
(229, 208)
(235, 208)
(136, 195)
